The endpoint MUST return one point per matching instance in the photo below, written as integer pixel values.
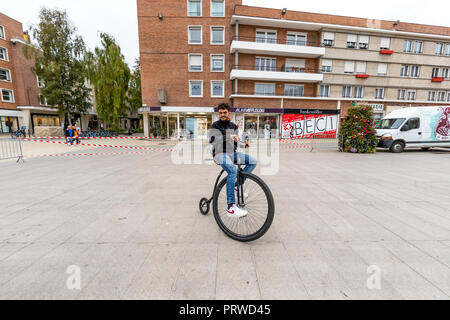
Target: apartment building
(20, 104)
(273, 65)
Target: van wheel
(425, 148)
(397, 147)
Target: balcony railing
(270, 40)
(275, 69)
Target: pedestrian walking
(70, 133)
(77, 133)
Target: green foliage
(58, 56)
(110, 76)
(358, 131)
(134, 89)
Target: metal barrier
(11, 149)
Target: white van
(415, 127)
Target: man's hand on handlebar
(235, 138)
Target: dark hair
(224, 106)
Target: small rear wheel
(397, 147)
(204, 206)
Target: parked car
(415, 127)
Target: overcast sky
(119, 17)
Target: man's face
(224, 114)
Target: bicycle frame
(240, 189)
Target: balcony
(283, 74)
(275, 47)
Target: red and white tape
(101, 145)
(87, 154)
(98, 138)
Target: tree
(59, 62)
(358, 131)
(134, 90)
(110, 77)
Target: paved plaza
(131, 224)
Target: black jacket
(219, 137)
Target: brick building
(270, 64)
(20, 103)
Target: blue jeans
(225, 161)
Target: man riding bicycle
(224, 137)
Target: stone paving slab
(132, 226)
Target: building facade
(272, 65)
(21, 104)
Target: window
(294, 65)
(351, 40)
(441, 96)
(446, 73)
(349, 66)
(264, 89)
(7, 95)
(217, 35)
(217, 63)
(411, 95)
(291, 90)
(217, 8)
(361, 67)
(324, 91)
(3, 54)
(327, 65)
(346, 92)
(407, 46)
(264, 36)
(401, 94)
(435, 72)
(296, 39)
(447, 49)
(5, 75)
(2, 33)
(418, 47)
(358, 92)
(448, 97)
(195, 35)
(439, 49)
(412, 124)
(415, 71)
(195, 62)
(194, 8)
(385, 43)
(196, 89)
(431, 95)
(404, 71)
(42, 100)
(266, 64)
(382, 69)
(379, 93)
(328, 39)
(363, 42)
(217, 89)
(40, 82)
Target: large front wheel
(259, 205)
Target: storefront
(378, 112)
(308, 123)
(8, 124)
(10, 120)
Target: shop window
(46, 121)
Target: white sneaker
(236, 212)
(245, 194)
